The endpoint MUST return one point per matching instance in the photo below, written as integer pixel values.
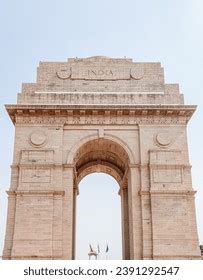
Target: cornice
(124, 110)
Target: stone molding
(36, 193)
(81, 114)
(64, 165)
(167, 193)
(76, 120)
(175, 257)
(139, 109)
(96, 98)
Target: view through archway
(98, 220)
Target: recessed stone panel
(36, 156)
(167, 176)
(36, 175)
(165, 157)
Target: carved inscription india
(99, 73)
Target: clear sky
(99, 217)
(168, 31)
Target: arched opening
(98, 217)
(104, 156)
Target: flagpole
(98, 249)
(107, 249)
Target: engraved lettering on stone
(125, 120)
(88, 120)
(100, 72)
(166, 157)
(113, 120)
(172, 157)
(71, 120)
(36, 175)
(167, 176)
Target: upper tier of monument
(99, 74)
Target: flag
(98, 248)
(91, 250)
(107, 248)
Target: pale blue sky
(168, 31)
(99, 217)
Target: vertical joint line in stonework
(101, 132)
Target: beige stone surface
(101, 114)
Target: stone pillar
(57, 246)
(68, 208)
(11, 212)
(177, 237)
(125, 224)
(8, 243)
(146, 225)
(38, 225)
(75, 193)
(135, 215)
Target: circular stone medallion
(38, 138)
(163, 139)
(137, 72)
(64, 73)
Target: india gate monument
(109, 115)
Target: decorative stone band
(97, 98)
(116, 111)
(140, 166)
(168, 193)
(175, 257)
(28, 257)
(36, 193)
(170, 165)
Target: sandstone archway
(103, 155)
(101, 114)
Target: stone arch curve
(109, 155)
(108, 136)
(101, 168)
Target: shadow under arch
(73, 150)
(104, 155)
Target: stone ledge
(167, 192)
(33, 257)
(100, 110)
(37, 193)
(176, 257)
